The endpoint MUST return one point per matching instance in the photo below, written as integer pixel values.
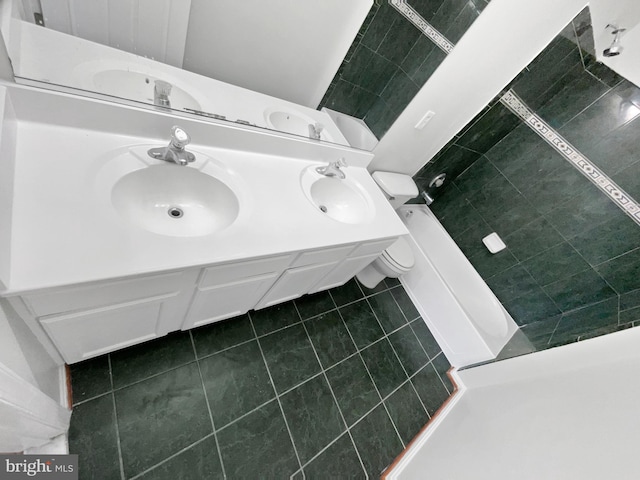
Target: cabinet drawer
(226, 301)
(344, 272)
(372, 247)
(294, 283)
(88, 334)
(85, 297)
(322, 256)
(233, 272)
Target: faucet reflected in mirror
(161, 92)
(176, 58)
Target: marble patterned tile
(340, 460)
(386, 370)
(267, 320)
(90, 378)
(330, 338)
(425, 337)
(353, 388)
(407, 412)
(290, 357)
(93, 437)
(258, 446)
(362, 323)
(314, 304)
(411, 354)
(236, 382)
(160, 416)
(217, 336)
(430, 388)
(386, 309)
(150, 358)
(376, 441)
(313, 417)
(197, 462)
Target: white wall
(624, 14)
(21, 352)
(285, 48)
(565, 413)
(499, 44)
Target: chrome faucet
(315, 130)
(333, 169)
(174, 152)
(161, 92)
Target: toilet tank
(397, 187)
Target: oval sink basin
(176, 201)
(295, 123)
(343, 200)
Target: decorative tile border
(414, 17)
(542, 128)
(572, 155)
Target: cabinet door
(343, 272)
(226, 301)
(294, 283)
(87, 334)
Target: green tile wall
(571, 269)
(390, 59)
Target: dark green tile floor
(331, 385)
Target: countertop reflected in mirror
(47, 58)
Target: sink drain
(323, 209)
(175, 212)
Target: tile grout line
(206, 399)
(618, 196)
(408, 325)
(335, 400)
(571, 154)
(359, 352)
(329, 445)
(437, 372)
(115, 415)
(172, 456)
(114, 390)
(421, 24)
(275, 390)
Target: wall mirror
(258, 64)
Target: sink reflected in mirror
(343, 200)
(140, 87)
(296, 123)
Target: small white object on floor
(494, 243)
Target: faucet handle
(341, 162)
(162, 87)
(179, 138)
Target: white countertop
(65, 229)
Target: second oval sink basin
(343, 200)
(177, 201)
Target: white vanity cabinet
(84, 321)
(306, 270)
(225, 291)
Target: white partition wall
(565, 413)
(285, 48)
